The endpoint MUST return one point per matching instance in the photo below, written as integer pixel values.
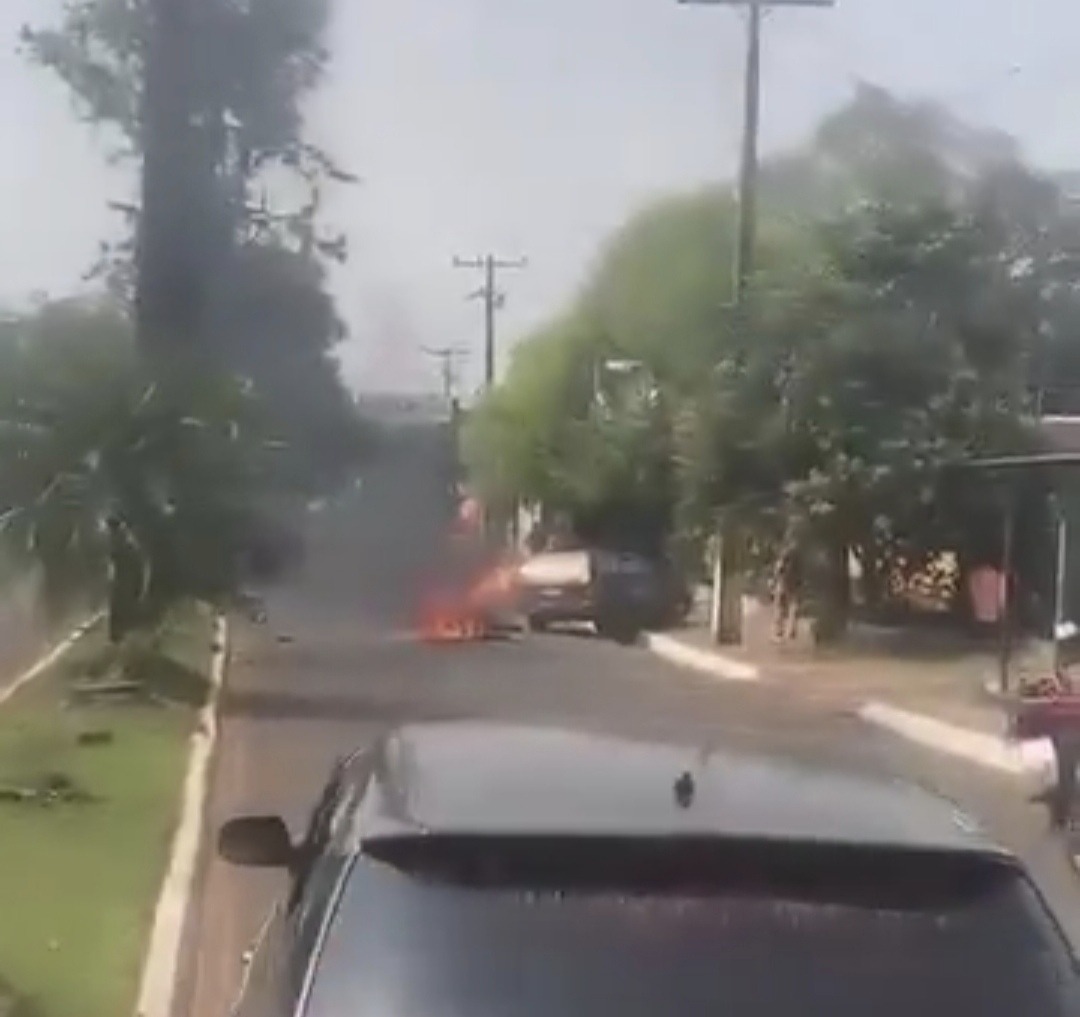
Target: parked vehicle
(620, 593)
(629, 596)
(557, 586)
(487, 869)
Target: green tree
(109, 488)
(258, 62)
(662, 291)
(915, 287)
(218, 219)
(660, 299)
(917, 362)
(517, 443)
(224, 276)
(882, 148)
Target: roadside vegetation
(160, 438)
(914, 305)
(90, 777)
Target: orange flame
(449, 619)
(462, 609)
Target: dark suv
(619, 592)
(497, 871)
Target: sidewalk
(926, 686)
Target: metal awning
(1013, 462)
(1010, 464)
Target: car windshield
(625, 564)
(768, 939)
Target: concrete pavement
(335, 665)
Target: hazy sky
(535, 127)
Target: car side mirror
(257, 842)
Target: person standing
(1065, 742)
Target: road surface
(336, 664)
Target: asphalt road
(336, 663)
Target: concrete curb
(50, 658)
(706, 661)
(1028, 758)
(158, 985)
(995, 752)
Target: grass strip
(82, 860)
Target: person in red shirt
(1065, 741)
(1060, 798)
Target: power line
(493, 298)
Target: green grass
(78, 881)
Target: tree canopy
(108, 486)
(244, 220)
(913, 298)
(147, 438)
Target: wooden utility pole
(175, 227)
(493, 300)
(748, 166)
(726, 613)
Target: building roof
(475, 778)
(1057, 445)
(398, 408)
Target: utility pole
(447, 357)
(494, 299)
(748, 167)
(495, 531)
(726, 614)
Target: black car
(651, 592)
(501, 871)
(620, 593)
